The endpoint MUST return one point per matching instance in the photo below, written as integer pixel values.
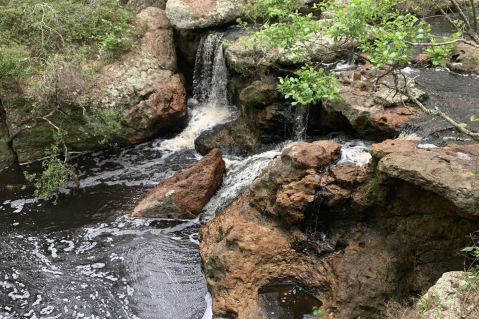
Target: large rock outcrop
(374, 109)
(192, 14)
(184, 195)
(353, 236)
(141, 84)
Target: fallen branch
(471, 43)
(444, 116)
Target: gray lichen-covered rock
(193, 14)
(153, 100)
(448, 302)
(244, 57)
(139, 5)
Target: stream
(84, 258)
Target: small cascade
(210, 105)
(300, 122)
(241, 173)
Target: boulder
(184, 195)
(233, 138)
(448, 172)
(139, 5)
(259, 94)
(153, 100)
(158, 39)
(192, 14)
(446, 299)
(373, 109)
(464, 59)
(245, 58)
(353, 236)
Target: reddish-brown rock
(184, 195)
(355, 237)
(158, 38)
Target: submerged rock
(192, 14)
(184, 195)
(353, 236)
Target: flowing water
(84, 258)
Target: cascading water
(210, 105)
(300, 121)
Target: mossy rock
(259, 94)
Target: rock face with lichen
(184, 195)
(192, 14)
(142, 85)
(353, 236)
(448, 301)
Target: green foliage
(35, 31)
(309, 85)
(105, 123)
(56, 173)
(12, 60)
(258, 10)
(320, 313)
(375, 26)
(471, 277)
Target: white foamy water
(355, 151)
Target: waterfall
(300, 122)
(209, 106)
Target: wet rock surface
(233, 138)
(192, 14)
(7, 156)
(353, 236)
(184, 195)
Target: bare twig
(474, 15)
(470, 31)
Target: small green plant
(471, 276)
(320, 313)
(56, 172)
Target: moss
(212, 270)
